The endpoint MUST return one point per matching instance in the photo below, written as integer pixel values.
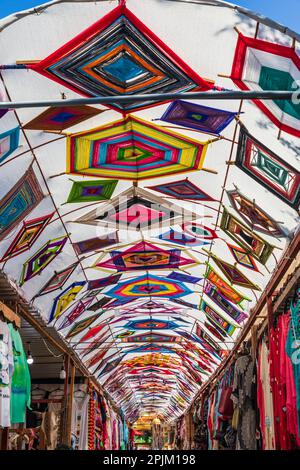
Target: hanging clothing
(292, 350)
(283, 387)
(51, 425)
(80, 422)
(243, 397)
(6, 373)
(265, 398)
(21, 383)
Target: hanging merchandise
(6, 370)
(292, 350)
(21, 384)
(79, 426)
(244, 397)
(265, 397)
(283, 387)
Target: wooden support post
(4, 438)
(20, 438)
(70, 403)
(254, 341)
(64, 415)
(270, 313)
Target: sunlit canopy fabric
(144, 232)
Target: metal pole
(215, 95)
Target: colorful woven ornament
(180, 238)
(136, 209)
(60, 118)
(110, 366)
(144, 256)
(253, 215)
(44, 256)
(217, 319)
(232, 273)
(229, 292)
(103, 282)
(58, 280)
(213, 293)
(262, 65)
(242, 257)
(76, 311)
(23, 197)
(119, 55)
(151, 337)
(27, 236)
(184, 277)
(200, 231)
(132, 149)
(63, 300)
(95, 244)
(268, 169)
(89, 191)
(183, 189)
(80, 326)
(195, 116)
(9, 142)
(244, 237)
(149, 286)
(152, 324)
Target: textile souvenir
(97, 243)
(229, 292)
(23, 197)
(253, 215)
(149, 286)
(136, 209)
(62, 117)
(42, 258)
(63, 300)
(58, 280)
(119, 55)
(271, 171)
(132, 149)
(199, 117)
(27, 236)
(9, 142)
(217, 318)
(245, 238)
(91, 191)
(183, 189)
(263, 65)
(144, 256)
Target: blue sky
(286, 12)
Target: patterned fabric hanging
(269, 170)
(9, 142)
(133, 149)
(119, 55)
(27, 236)
(245, 238)
(23, 197)
(262, 65)
(253, 215)
(90, 191)
(60, 118)
(182, 189)
(199, 117)
(44, 256)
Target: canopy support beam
(214, 95)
